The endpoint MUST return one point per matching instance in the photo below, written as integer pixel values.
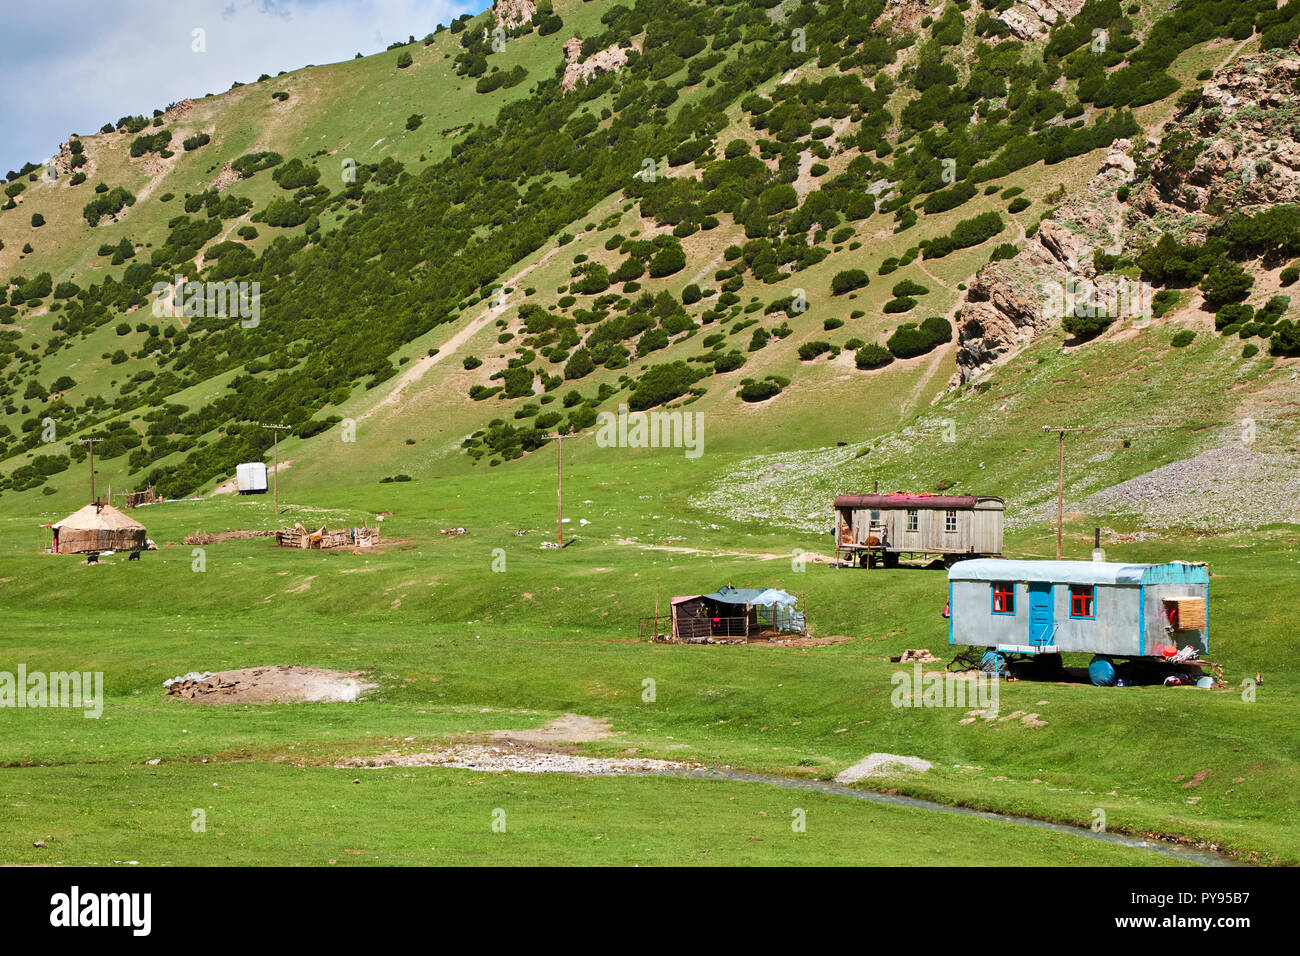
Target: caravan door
(1042, 625)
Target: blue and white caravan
(1108, 609)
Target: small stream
(1177, 851)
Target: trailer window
(1004, 597)
(913, 522)
(1081, 596)
(950, 521)
(875, 516)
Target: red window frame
(1004, 597)
(1082, 601)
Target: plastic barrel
(994, 663)
(1101, 671)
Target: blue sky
(73, 65)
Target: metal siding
(951, 615)
(1114, 628)
(972, 623)
(1142, 621)
(1155, 633)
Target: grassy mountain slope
(357, 111)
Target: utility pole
(90, 443)
(275, 473)
(1060, 477)
(559, 490)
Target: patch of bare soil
(545, 749)
(515, 759)
(569, 729)
(274, 684)
(225, 178)
(801, 641)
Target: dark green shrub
(1085, 327)
(759, 391)
(872, 356)
(848, 281)
(810, 350)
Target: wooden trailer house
(878, 529)
(1107, 609)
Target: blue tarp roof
(1064, 572)
(758, 597)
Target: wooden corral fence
(135, 499)
(323, 538)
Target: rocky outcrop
(903, 16)
(1034, 19)
(512, 14)
(576, 70)
(177, 110)
(1235, 147)
(1009, 303)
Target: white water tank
(250, 478)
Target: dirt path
(718, 553)
(932, 366)
(450, 347)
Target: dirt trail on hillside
(231, 485)
(451, 346)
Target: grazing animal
(92, 559)
(135, 556)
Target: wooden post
(90, 443)
(275, 471)
(1060, 491)
(559, 505)
(1060, 478)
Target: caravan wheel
(1101, 671)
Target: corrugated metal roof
(904, 500)
(759, 597)
(1056, 572)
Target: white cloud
(73, 65)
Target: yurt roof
(106, 518)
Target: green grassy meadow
(458, 648)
